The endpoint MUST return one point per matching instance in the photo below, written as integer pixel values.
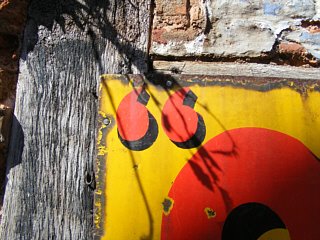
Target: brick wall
(268, 31)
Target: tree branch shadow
(98, 21)
(16, 145)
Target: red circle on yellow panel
(241, 166)
(132, 116)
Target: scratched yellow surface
(138, 182)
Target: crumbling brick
(292, 48)
(177, 21)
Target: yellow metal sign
(191, 157)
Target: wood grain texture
(236, 69)
(67, 45)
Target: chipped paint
(210, 212)
(100, 166)
(102, 150)
(167, 205)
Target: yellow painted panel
(137, 182)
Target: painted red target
(246, 165)
(137, 127)
(184, 127)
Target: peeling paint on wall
(310, 40)
(234, 29)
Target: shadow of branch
(100, 22)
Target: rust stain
(167, 205)
(98, 198)
(261, 84)
(210, 212)
(100, 167)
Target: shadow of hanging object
(5, 128)
(96, 19)
(15, 151)
(205, 169)
(185, 127)
(249, 221)
(48, 12)
(166, 81)
(16, 145)
(93, 20)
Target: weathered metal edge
(262, 84)
(105, 123)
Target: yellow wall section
(127, 217)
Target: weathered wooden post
(67, 45)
